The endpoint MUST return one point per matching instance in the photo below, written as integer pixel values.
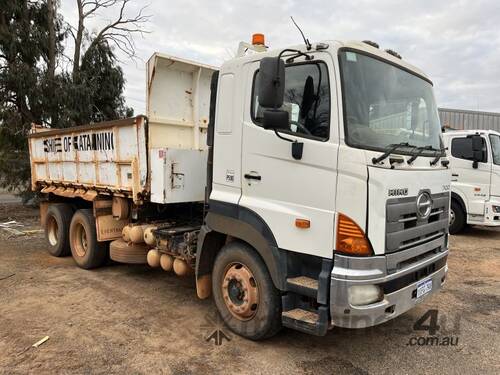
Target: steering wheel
(300, 127)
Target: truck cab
(327, 161)
(475, 165)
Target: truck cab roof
(333, 46)
(454, 133)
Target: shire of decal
(96, 141)
(52, 145)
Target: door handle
(252, 177)
(454, 175)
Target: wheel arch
(245, 226)
(456, 197)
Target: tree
(35, 87)
(97, 88)
(118, 32)
(99, 96)
(23, 46)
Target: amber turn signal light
(350, 238)
(302, 223)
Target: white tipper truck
(306, 187)
(475, 183)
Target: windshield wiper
(420, 151)
(438, 156)
(393, 147)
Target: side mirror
(477, 143)
(271, 82)
(275, 119)
(477, 156)
(477, 150)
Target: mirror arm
(283, 138)
(293, 57)
(298, 53)
(297, 147)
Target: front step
(303, 285)
(315, 323)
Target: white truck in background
(305, 187)
(475, 183)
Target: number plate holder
(424, 287)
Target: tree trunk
(78, 40)
(51, 64)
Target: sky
(455, 42)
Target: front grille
(405, 229)
(413, 277)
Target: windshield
(495, 148)
(385, 105)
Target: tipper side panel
(108, 157)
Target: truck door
(473, 183)
(279, 188)
(495, 165)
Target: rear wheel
(244, 292)
(457, 218)
(86, 250)
(56, 228)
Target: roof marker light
(370, 43)
(393, 53)
(258, 39)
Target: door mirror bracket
(297, 147)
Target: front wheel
(86, 250)
(244, 292)
(457, 218)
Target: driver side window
(306, 99)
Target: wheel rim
(52, 229)
(452, 217)
(240, 291)
(80, 241)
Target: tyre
(56, 228)
(457, 218)
(86, 250)
(244, 292)
(123, 252)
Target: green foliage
(22, 47)
(28, 93)
(100, 86)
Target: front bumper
(399, 286)
(491, 218)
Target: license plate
(424, 287)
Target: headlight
(360, 295)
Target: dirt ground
(132, 319)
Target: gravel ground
(131, 319)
